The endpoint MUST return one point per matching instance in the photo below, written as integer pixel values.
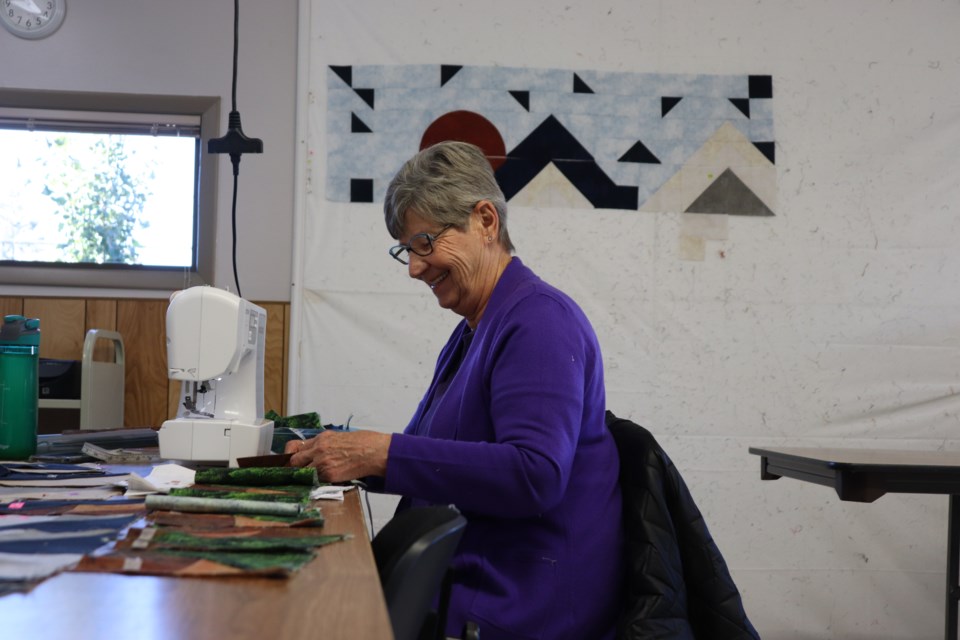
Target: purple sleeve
(524, 398)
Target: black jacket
(678, 586)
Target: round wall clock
(32, 18)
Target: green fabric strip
(248, 561)
(259, 476)
(184, 540)
(237, 493)
(218, 505)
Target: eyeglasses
(420, 244)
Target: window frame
(130, 276)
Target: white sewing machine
(215, 345)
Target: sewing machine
(215, 345)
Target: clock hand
(27, 5)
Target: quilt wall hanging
(651, 142)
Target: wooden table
(337, 596)
(863, 475)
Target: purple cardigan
(518, 443)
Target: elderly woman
(511, 429)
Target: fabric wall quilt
(582, 139)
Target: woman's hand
(342, 456)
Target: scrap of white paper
(162, 479)
(329, 492)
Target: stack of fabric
(254, 521)
(53, 514)
(212, 522)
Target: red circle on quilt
(467, 126)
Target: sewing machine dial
(32, 19)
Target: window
(106, 190)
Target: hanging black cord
(235, 142)
(233, 217)
(235, 158)
(236, 39)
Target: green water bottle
(19, 386)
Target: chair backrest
(413, 552)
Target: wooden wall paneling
(11, 306)
(143, 327)
(102, 314)
(274, 360)
(149, 396)
(62, 325)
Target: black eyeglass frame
(397, 251)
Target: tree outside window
(99, 201)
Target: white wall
(184, 47)
(832, 323)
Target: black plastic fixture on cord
(235, 142)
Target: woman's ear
(489, 218)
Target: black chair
(413, 552)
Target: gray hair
(443, 183)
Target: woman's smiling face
(458, 270)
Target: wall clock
(32, 19)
